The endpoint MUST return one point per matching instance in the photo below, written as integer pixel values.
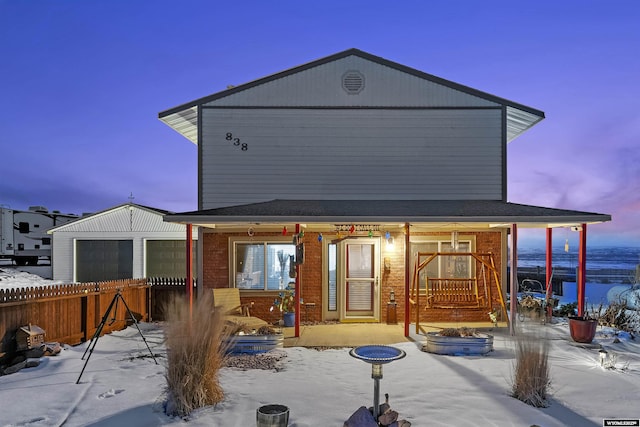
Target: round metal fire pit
(377, 355)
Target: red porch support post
(407, 261)
(582, 268)
(513, 304)
(189, 269)
(297, 291)
(549, 271)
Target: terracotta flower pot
(582, 330)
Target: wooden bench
(453, 293)
(228, 300)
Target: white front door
(358, 279)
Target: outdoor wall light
(390, 244)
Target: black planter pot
(582, 330)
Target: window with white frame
(443, 266)
(261, 265)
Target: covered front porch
(349, 259)
(342, 335)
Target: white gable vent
(353, 82)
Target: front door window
(360, 278)
(359, 283)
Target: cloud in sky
(82, 84)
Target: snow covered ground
(122, 386)
(23, 277)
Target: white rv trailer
(23, 234)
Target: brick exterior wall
(393, 277)
(311, 277)
(216, 275)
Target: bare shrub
(266, 330)
(462, 331)
(196, 351)
(466, 332)
(618, 314)
(450, 332)
(531, 377)
(233, 328)
(566, 310)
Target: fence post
(149, 294)
(83, 317)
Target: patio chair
(228, 300)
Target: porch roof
(494, 212)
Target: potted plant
(583, 328)
(286, 304)
(530, 307)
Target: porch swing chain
(484, 282)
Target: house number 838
(236, 141)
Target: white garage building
(126, 241)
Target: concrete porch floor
(357, 334)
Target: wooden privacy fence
(71, 313)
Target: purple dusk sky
(82, 83)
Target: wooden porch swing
(462, 290)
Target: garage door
(100, 260)
(168, 258)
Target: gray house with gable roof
(357, 180)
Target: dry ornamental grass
(195, 353)
(531, 374)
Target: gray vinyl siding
(62, 262)
(350, 79)
(320, 86)
(350, 154)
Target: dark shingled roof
(493, 211)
